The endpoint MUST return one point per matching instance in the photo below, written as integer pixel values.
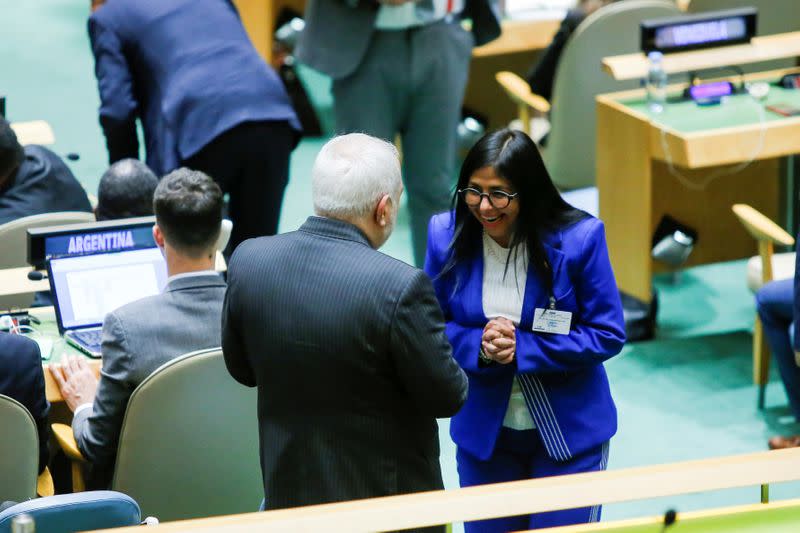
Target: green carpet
(685, 395)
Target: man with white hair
(346, 344)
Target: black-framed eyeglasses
(498, 199)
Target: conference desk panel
(779, 517)
(692, 163)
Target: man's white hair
(351, 174)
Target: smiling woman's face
(498, 223)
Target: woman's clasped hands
(499, 340)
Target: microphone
(670, 517)
(35, 275)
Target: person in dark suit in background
(400, 67)
(22, 378)
(34, 180)
(346, 344)
(206, 100)
(540, 77)
(141, 336)
(126, 190)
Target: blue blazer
(187, 69)
(563, 374)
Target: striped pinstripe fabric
(347, 348)
(542, 413)
(594, 514)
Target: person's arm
(118, 105)
(97, 430)
(600, 329)
(465, 340)
(422, 353)
(233, 351)
(542, 74)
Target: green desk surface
(47, 331)
(770, 519)
(738, 110)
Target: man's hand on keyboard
(76, 381)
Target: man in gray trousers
(345, 344)
(143, 335)
(400, 66)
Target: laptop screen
(88, 287)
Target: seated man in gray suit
(346, 344)
(143, 335)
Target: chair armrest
(44, 484)
(519, 91)
(66, 440)
(33, 132)
(761, 227)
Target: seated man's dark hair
(126, 190)
(188, 207)
(11, 152)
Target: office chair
(66, 513)
(611, 30)
(14, 245)
(189, 442)
(19, 452)
(761, 269)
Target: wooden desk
(766, 48)
(637, 185)
(15, 281)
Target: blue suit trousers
(521, 455)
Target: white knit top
(503, 293)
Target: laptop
(87, 287)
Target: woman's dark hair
(513, 156)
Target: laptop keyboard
(89, 337)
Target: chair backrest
(14, 234)
(83, 511)
(774, 16)
(19, 452)
(224, 234)
(14, 245)
(189, 442)
(611, 30)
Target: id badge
(551, 321)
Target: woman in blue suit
(532, 311)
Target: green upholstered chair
(609, 31)
(19, 452)
(189, 442)
(14, 245)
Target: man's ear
(158, 236)
(383, 212)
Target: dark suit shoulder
(19, 349)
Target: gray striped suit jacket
(347, 348)
(137, 339)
